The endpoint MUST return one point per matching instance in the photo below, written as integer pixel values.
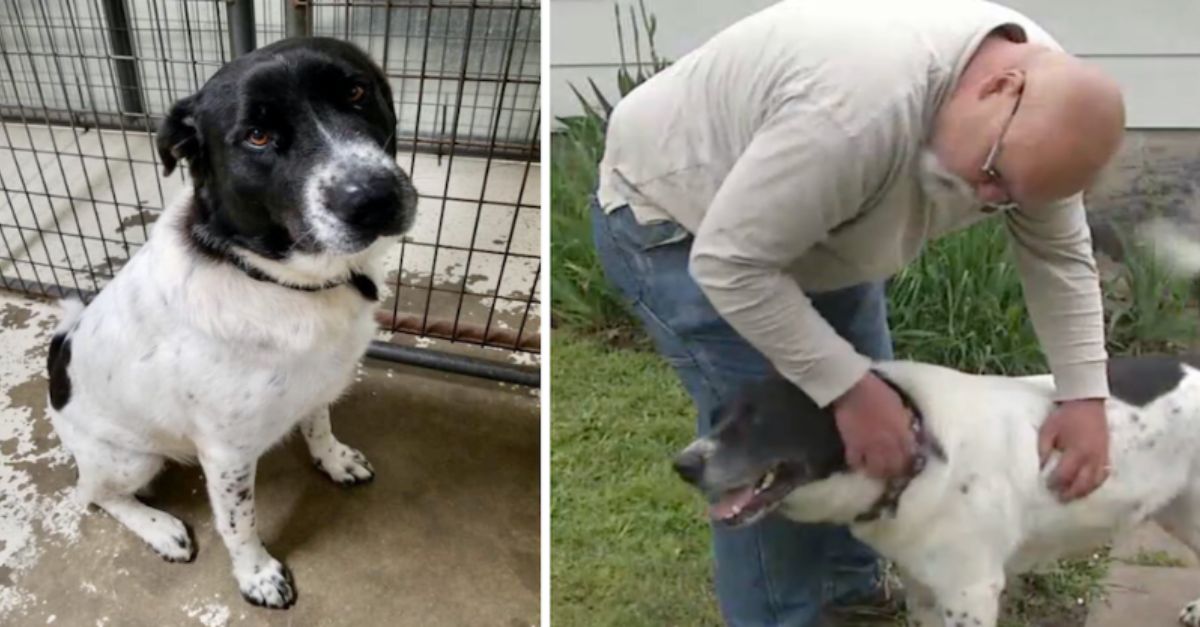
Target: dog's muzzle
(689, 463)
(356, 196)
(372, 203)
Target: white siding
(1151, 47)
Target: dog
(976, 506)
(248, 308)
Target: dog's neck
(301, 272)
(853, 497)
(840, 499)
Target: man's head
(1027, 124)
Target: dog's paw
(170, 537)
(268, 585)
(345, 465)
(1190, 615)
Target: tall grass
(960, 304)
(1147, 308)
(580, 296)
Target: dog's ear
(178, 138)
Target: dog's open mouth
(747, 504)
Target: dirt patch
(31, 395)
(142, 218)
(14, 316)
(1053, 616)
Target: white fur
(346, 156)
(185, 358)
(1172, 246)
(962, 526)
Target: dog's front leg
(339, 462)
(919, 603)
(262, 579)
(974, 605)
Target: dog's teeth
(767, 480)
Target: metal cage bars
(83, 85)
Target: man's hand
(1080, 430)
(876, 428)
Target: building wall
(1151, 47)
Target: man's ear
(1010, 81)
(178, 138)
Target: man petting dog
(755, 195)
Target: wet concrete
(447, 534)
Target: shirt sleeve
(1053, 250)
(800, 177)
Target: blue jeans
(776, 573)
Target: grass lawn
(629, 542)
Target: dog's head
(769, 441)
(292, 150)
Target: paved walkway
(1152, 577)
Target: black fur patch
(1140, 380)
(365, 286)
(203, 246)
(60, 382)
(774, 419)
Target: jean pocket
(645, 237)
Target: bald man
(754, 196)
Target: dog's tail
(1174, 247)
(72, 309)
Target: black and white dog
(978, 507)
(249, 307)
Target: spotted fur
(983, 511)
(246, 312)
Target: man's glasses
(989, 165)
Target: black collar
(927, 447)
(360, 282)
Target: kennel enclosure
(84, 84)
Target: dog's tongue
(731, 503)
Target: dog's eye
(258, 138)
(357, 93)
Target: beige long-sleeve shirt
(789, 146)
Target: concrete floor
(447, 534)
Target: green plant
(1161, 559)
(627, 79)
(960, 304)
(580, 296)
(1147, 309)
(1057, 596)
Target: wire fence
(84, 83)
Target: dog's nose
(690, 463)
(369, 204)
